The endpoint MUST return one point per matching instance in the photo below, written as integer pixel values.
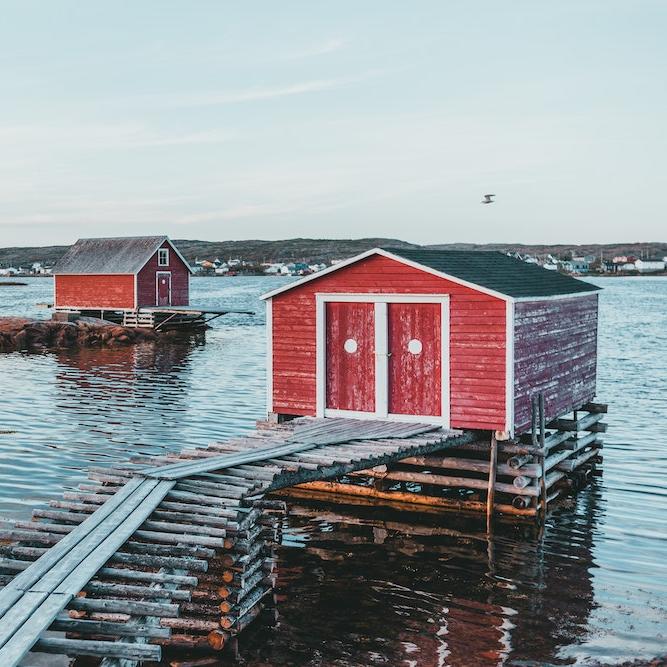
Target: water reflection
(139, 387)
(392, 588)
(97, 406)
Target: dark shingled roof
(113, 255)
(496, 271)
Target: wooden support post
(542, 436)
(490, 496)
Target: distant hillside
(324, 250)
(295, 250)
(26, 256)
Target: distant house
(123, 273)
(578, 265)
(273, 269)
(9, 271)
(650, 265)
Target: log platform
(179, 550)
(162, 318)
(515, 479)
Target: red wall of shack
(477, 339)
(94, 291)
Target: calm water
(357, 587)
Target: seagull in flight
(488, 199)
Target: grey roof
(127, 254)
(496, 271)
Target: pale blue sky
(224, 120)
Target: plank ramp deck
(97, 535)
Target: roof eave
(385, 253)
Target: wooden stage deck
(176, 550)
(154, 317)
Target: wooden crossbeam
(580, 424)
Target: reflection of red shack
(459, 338)
(121, 274)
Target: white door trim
(157, 291)
(381, 358)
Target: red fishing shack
(460, 338)
(125, 273)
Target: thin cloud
(256, 94)
(111, 136)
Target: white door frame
(381, 355)
(157, 289)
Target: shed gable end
(477, 342)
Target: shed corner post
(269, 356)
(509, 365)
(320, 355)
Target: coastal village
(621, 265)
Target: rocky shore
(18, 333)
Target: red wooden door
(163, 288)
(350, 356)
(415, 364)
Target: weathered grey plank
(109, 628)
(41, 610)
(99, 648)
(186, 469)
(54, 555)
(94, 560)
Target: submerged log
(406, 497)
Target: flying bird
(488, 199)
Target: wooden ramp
(175, 550)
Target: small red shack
(125, 273)
(460, 338)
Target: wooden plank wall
(555, 352)
(180, 280)
(94, 291)
(477, 328)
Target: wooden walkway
(175, 550)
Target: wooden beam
(491, 491)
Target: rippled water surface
(359, 587)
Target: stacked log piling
(195, 556)
(516, 478)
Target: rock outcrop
(18, 333)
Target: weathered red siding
(477, 339)
(180, 280)
(94, 291)
(555, 352)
